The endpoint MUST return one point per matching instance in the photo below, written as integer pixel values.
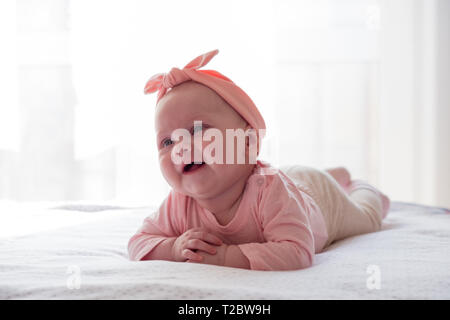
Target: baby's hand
(217, 259)
(186, 246)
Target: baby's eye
(166, 142)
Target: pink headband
(223, 86)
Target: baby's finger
(190, 255)
(201, 245)
(208, 237)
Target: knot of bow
(161, 82)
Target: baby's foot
(342, 176)
(386, 204)
(360, 184)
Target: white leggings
(345, 214)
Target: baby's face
(178, 109)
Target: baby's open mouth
(192, 167)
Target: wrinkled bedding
(83, 255)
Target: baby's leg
(360, 184)
(349, 209)
(362, 211)
(342, 176)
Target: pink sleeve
(289, 239)
(162, 224)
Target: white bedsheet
(410, 257)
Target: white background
(359, 83)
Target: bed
(79, 251)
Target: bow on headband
(164, 81)
(216, 81)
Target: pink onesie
(277, 226)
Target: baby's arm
(289, 242)
(163, 251)
(187, 246)
(227, 256)
(270, 255)
(235, 258)
(184, 247)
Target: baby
(243, 214)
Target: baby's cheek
(162, 160)
(167, 168)
(166, 157)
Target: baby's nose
(182, 151)
(189, 153)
